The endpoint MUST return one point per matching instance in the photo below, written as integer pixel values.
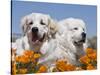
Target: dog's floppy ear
(24, 24)
(52, 28)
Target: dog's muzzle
(83, 40)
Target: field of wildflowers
(27, 63)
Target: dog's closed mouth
(79, 42)
(83, 40)
(36, 38)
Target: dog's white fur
(33, 41)
(63, 46)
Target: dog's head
(75, 29)
(38, 27)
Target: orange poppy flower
(93, 56)
(89, 50)
(85, 60)
(70, 67)
(61, 65)
(28, 53)
(90, 67)
(22, 59)
(42, 69)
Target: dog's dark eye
(75, 28)
(41, 22)
(30, 23)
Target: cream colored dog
(37, 28)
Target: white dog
(37, 28)
(69, 44)
(73, 30)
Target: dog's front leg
(19, 47)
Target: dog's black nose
(83, 35)
(34, 29)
